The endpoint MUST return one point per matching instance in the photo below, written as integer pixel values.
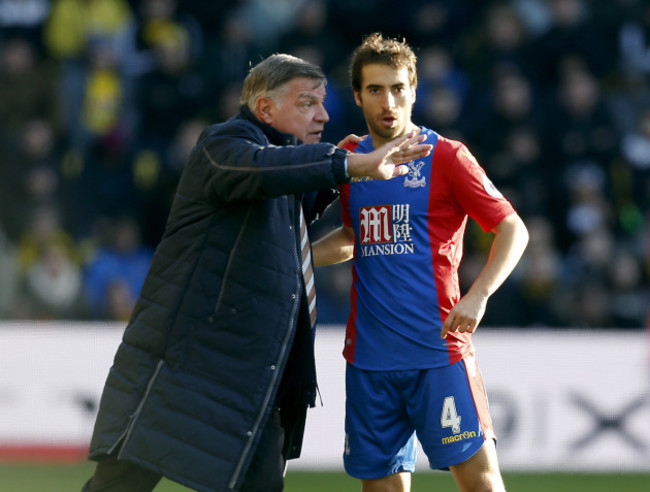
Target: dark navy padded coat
(196, 375)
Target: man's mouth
(313, 137)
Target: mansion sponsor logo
(387, 249)
(385, 230)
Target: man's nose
(389, 101)
(321, 115)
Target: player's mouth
(389, 121)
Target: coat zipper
(127, 433)
(283, 351)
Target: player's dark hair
(385, 51)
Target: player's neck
(378, 141)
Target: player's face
(299, 110)
(386, 98)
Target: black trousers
(265, 473)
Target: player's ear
(357, 98)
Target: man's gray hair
(268, 77)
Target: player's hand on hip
(464, 317)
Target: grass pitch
(69, 478)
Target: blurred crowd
(101, 102)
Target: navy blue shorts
(447, 408)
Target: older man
(212, 380)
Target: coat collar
(275, 137)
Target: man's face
(386, 98)
(300, 111)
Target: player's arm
(510, 240)
(335, 247)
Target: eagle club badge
(414, 178)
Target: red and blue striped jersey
(409, 243)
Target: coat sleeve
(240, 164)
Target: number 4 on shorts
(449, 417)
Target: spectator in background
(229, 53)
(23, 18)
(589, 208)
(571, 34)
(584, 129)
(28, 87)
(72, 24)
(626, 280)
(439, 22)
(540, 275)
(103, 96)
(350, 20)
(634, 41)
(120, 263)
(52, 285)
(80, 34)
(8, 277)
(172, 92)
(104, 184)
(44, 228)
(48, 257)
(47, 47)
(442, 91)
(227, 101)
(155, 22)
(31, 176)
(442, 109)
(582, 141)
(524, 173)
(584, 286)
(268, 20)
(511, 108)
(635, 148)
(309, 29)
(499, 40)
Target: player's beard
(386, 134)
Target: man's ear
(357, 98)
(264, 110)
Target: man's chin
(312, 138)
(388, 133)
